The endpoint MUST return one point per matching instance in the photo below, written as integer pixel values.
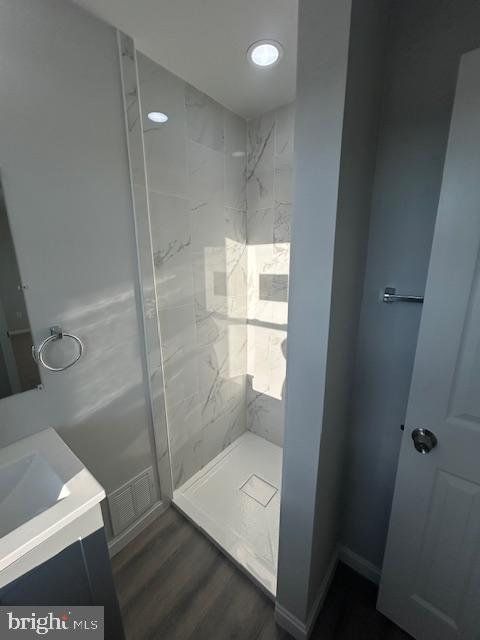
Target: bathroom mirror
(18, 370)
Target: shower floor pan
(235, 501)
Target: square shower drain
(258, 489)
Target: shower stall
(212, 199)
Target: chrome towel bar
(56, 333)
(390, 295)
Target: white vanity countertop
(44, 488)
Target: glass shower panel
(195, 165)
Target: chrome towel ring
(56, 333)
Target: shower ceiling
(205, 42)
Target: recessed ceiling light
(157, 116)
(265, 53)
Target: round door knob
(424, 440)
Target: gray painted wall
(357, 169)
(426, 39)
(338, 104)
(321, 84)
(64, 169)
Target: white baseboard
(290, 623)
(117, 544)
(293, 625)
(359, 564)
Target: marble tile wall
(196, 185)
(215, 277)
(269, 205)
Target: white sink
(47, 499)
(28, 486)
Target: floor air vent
(131, 500)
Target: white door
(431, 573)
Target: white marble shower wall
(269, 205)
(195, 164)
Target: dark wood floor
(173, 584)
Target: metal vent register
(131, 500)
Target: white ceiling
(205, 43)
